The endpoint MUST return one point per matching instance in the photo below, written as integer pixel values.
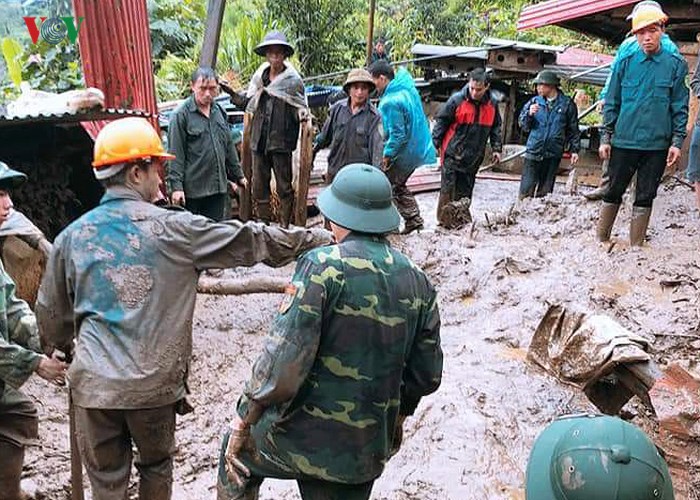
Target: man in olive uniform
(20, 357)
(596, 457)
(353, 129)
(355, 346)
(205, 156)
(122, 279)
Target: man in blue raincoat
(408, 143)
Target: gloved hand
(238, 441)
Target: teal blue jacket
(646, 107)
(406, 131)
(628, 47)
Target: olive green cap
(586, 457)
(547, 77)
(360, 199)
(10, 179)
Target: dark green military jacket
(356, 343)
(205, 154)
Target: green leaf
(12, 52)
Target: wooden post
(212, 33)
(512, 113)
(370, 30)
(306, 156)
(245, 210)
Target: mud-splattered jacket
(122, 279)
(355, 345)
(19, 340)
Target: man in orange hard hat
(122, 280)
(645, 117)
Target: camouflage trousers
(261, 467)
(403, 198)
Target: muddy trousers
(105, 440)
(403, 198)
(212, 207)
(455, 184)
(538, 177)
(310, 488)
(264, 165)
(19, 425)
(624, 163)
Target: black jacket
(463, 126)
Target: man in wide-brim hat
(277, 99)
(353, 128)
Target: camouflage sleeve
(291, 346)
(423, 371)
(54, 305)
(19, 349)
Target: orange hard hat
(126, 140)
(647, 15)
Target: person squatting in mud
(20, 357)
(465, 123)
(645, 117)
(353, 349)
(122, 281)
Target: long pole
(370, 30)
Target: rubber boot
(11, 459)
(608, 213)
(415, 224)
(285, 213)
(639, 225)
(599, 192)
(443, 200)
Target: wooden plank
(245, 211)
(305, 167)
(212, 33)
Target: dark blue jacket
(550, 130)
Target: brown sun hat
(358, 75)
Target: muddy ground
(471, 439)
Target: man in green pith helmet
(597, 457)
(20, 357)
(355, 346)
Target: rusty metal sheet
(557, 11)
(81, 116)
(115, 53)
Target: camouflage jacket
(123, 278)
(19, 340)
(356, 344)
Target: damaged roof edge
(74, 117)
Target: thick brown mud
(471, 439)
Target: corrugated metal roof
(115, 52)
(75, 117)
(514, 44)
(556, 11)
(422, 49)
(596, 77)
(573, 56)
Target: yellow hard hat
(648, 15)
(126, 140)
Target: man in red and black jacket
(469, 118)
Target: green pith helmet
(359, 199)
(596, 457)
(547, 77)
(10, 179)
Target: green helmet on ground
(10, 179)
(547, 77)
(596, 457)
(360, 199)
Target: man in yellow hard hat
(645, 117)
(122, 280)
